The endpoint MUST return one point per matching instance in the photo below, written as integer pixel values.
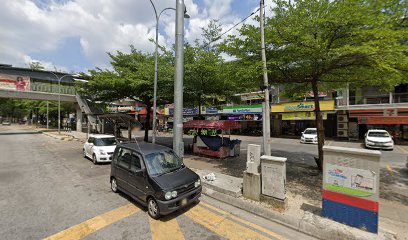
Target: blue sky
(75, 35)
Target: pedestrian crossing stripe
(212, 218)
(223, 226)
(250, 224)
(165, 229)
(94, 224)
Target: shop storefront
(291, 119)
(394, 120)
(250, 117)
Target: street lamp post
(59, 99)
(47, 115)
(266, 110)
(156, 66)
(178, 145)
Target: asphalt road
(47, 189)
(297, 152)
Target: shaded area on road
(18, 133)
(391, 181)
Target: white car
(309, 136)
(100, 147)
(378, 139)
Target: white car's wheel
(94, 160)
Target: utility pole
(47, 116)
(266, 114)
(178, 144)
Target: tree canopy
(318, 44)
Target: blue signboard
(211, 110)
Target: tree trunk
(319, 126)
(199, 106)
(147, 122)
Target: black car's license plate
(183, 202)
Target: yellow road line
(165, 229)
(259, 228)
(221, 225)
(94, 224)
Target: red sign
(13, 82)
(383, 120)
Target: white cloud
(100, 25)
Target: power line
(222, 34)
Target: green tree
(36, 65)
(132, 77)
(206, 73)
(324, 44)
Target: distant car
(6, 123)
(99, 147)
(309, 136)
(154, 176)
(378, 139)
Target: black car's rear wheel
(153, 208)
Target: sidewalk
(304, 204)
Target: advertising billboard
(14, 82)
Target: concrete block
(252, 186)
(274, 177)
(253, 158)
(275, 202)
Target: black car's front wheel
(153, 208)
(114, 185)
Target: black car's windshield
(378, 134)
(310, 131)
(105, 141)
(163, 162)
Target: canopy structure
(120, 119)
(212, 124)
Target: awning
(383, 120)
(120, 119)
(212, 124)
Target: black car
(154, 176)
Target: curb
(310, 223)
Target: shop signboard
(253, 117)
(235, 118)
(326, 105)
(211, 110)
(383, 120)
(14, 82)
(301, 116)
(186, 111)
(243, 109)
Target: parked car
(309, 136)
(154, 176)
(6, 123)
(100, 147)
(379, 139)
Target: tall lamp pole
(178, 145)
(59, 99)
(266, 109)
(156, 66)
